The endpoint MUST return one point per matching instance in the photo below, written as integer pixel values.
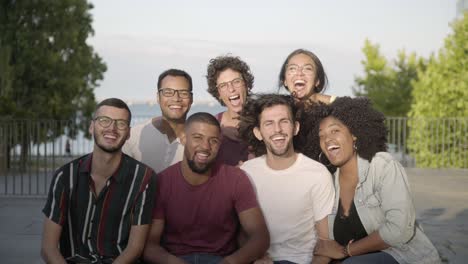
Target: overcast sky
(139, 39)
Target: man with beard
(200, 204)
(99, 206)
(295, 192)
(156, 142)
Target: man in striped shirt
(99, 206)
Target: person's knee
(350, 260)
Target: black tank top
(347, 228)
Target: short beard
(195, 169)
(111, 150)
(279, 153)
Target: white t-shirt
(292, 200)
(148, 145)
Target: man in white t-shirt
(156, 142)
(295, 192)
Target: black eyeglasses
(169, 92)
(236, 83)
(106, 121)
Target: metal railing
(429, 142)
(31, 150)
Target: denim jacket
(384, 204)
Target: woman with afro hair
(373, 218)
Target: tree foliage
(48, 71)
(387, 84)
(442, 92)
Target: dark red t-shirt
(203, 218)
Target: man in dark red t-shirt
(201, 205)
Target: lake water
(142, 112)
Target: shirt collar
(119, 173)
(363, 169)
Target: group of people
(298, 178)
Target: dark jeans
(199, 258)
(378, 257)
(283, 262)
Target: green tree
(442, 92)
(47, 69)
(387, 84)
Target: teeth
(234, 97)
(110, 136)
(202, 154)
(333, 147)
(278, 138)
(299, 82)
(175, 107)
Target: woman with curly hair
(302, 74)
(373, 220)
(230, 81)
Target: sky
(139, 39)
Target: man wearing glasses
(99, 206)
(156, 142)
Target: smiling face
(109, 139)
(202, 143)
(174, 108)
(303, 80)
(233, 97)
(277, 130)
(336, 141)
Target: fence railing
(31, 150)
(429, 142)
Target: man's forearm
(320, 260)
(52, 256)
(254, 248)
(128, 256)
(157, 254)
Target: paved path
(441, 200)
(440, 196)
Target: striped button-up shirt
(98, 228)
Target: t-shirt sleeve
(57, 200)
(129, 146)
(244, 194)
(323, 195)
(145, 202)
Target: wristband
(348, 252)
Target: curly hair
(250, 117)
(320, 74)
(221, 63)
(363, 121)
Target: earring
(354, 146)
(320, 160)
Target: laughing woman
(230, 81)
(303, 75)
(373, 220)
